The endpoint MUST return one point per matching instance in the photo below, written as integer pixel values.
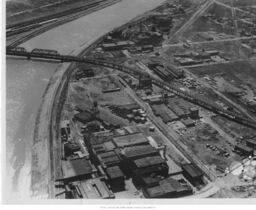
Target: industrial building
(103, 147)
(106, 120)
(77, 169)
(70, 148)
(109, 159)
(116, 178)
(163, 112)
(138, 151)
(90, 189)
(161, 71)
(193, 174)
(244, 150)
(148, 162)
(117, 46)
(251, 143)
(168, 188)
(130, 140)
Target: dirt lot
(210, 146)
(234, 129)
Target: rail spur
(193, 98)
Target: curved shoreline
(46, 137)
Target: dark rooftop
(84, 117)
(109, 158)
(77, 167)
(192, 170)
(114, 172)
(149, 161)
(167, 187)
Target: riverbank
(45, 147)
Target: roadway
(194, 17)
(210, 42)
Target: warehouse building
(193, 174)
(244, 150)
(115, 178)
(103, 147)
(188, 122)
(138, 151)
(167, 188)
(148, 181)
(251, 143)
(90, 189)
(70, 148)
(130, 140)
(147, 166)
(109, 159)
(117, 46)
(160, 71)
(77, 169)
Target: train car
(44, 51)
(16, 49)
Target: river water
(26, 82)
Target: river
(26, 82)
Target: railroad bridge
(193, 98)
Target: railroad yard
(161, 109)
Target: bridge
(193, 98)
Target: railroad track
(193, 98)
(99, 5)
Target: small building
(188, 122)
(70, 148)
(251, 143)
(130, 140)
(91, 189)
(193, 174)
(155, 101)
(168, 188)
(244, 150)
(194, 113)
(77, 169)
(115, 178)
